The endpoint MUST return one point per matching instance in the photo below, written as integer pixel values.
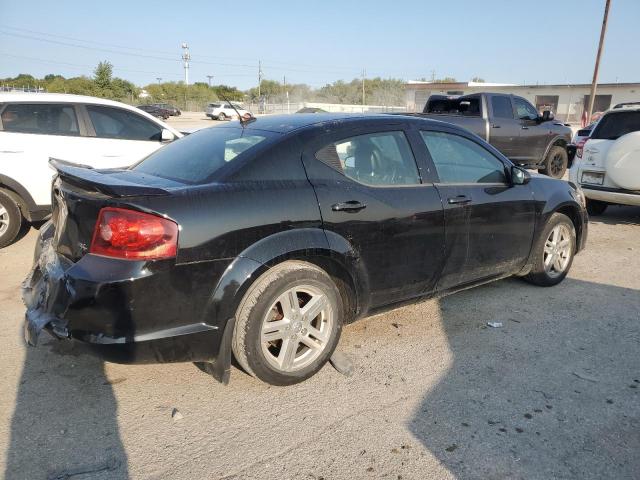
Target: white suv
(607, 166)
(84, 130)
(224, 111)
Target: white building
(567, 102)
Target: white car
(224, 111)
(607, 165)
(85, 130)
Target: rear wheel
(222, 117)
(596, 207)
(288, 323)
(10, 220)
(556, 162)
(553, 252)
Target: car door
(489, 223)
(504, 129)
(118, 137)
(370, 192)
(534, 137)
(31, 133)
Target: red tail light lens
(133, 235)
(580, 147)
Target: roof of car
(288, 123)
(55, 97)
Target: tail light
(133, 235)
(580, 147)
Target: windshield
(615, 125)
(194, 159)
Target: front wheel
(556, 162)
(288, 323)
(553, 252)
(10, 220)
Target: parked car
(607, 165)
(173, 111)
(157, 112)
(261, 240)
(512, 125)
(311, 110)
(224, 111)
(84, 130)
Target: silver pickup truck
(512, 125)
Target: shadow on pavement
(618, 214)
(576, 411)
(65, 421)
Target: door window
(122, 124)
(375, 159)
(525, 110)
(460, 160)
(42, 118)
(501, 107)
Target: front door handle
(460, 199)
(525, 128)
(351, 206)
(495, 126)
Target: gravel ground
(436, 394)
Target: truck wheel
(596, 207)
(556, 162)
(288, 323)
(10, 220)
(553, 252)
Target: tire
(287, 356)
(10, 220)
(222, 117)
(596, 207)
(556, 162)
(547, 276)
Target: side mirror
(167, 136)
(519, 176)
(547, 115)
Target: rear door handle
(351, 206)
(495, 126)
(460, 199)
(525, 128)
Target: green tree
(102, 74)
(477, 79)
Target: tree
(102, 74)
(477, 79)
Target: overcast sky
(317, 42)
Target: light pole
(209, 77)
(159, 79)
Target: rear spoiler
(103, 181)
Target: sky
(318, 42)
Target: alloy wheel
(556, 165)
(297, 328)
(557, 250)
(4, 219)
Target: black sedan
(261, 240)
(156, 111)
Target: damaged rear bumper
(127, 311)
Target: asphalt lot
(436, 394)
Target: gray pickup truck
(512, 125)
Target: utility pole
(594, 82)
(209, 77)
(259, 77)
(159, 79)
(186, 56)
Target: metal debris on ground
(495, 324)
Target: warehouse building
(567, 102)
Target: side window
(42, 118)
(525, 110)
(122, 124)
(460, 160)
(501, 107)
(375, 159)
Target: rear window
(196, 158)
(468, 106)
(614, 125)
(43, 118)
